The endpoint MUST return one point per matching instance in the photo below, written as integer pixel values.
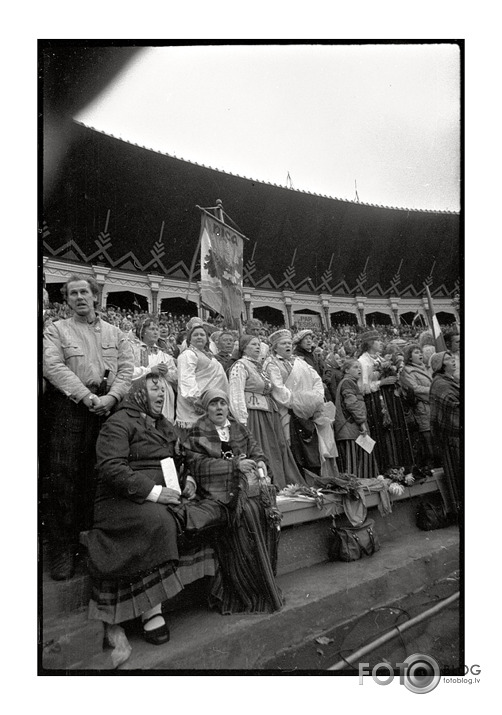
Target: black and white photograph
(251, 305)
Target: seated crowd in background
(239, 416)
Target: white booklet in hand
(366, 443)
(170, 474)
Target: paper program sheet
(170, 474)
(366, 443)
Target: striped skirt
(116, 601)
(353, 459)
(387, 425)
(246, 564)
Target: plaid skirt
(116, 601)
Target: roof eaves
(261, 181)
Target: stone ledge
(300, 512)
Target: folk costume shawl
(297, 386)
(218, 478)
(248, 389)
(197, 372)
(370, 373)
(310, 358)
(307, 396)
(445, 407)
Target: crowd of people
(168, 438)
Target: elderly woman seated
(230, 471)
(133, 547)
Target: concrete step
(71, 642)
(318, 598)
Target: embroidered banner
(221, 270)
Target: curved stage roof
(131, 208)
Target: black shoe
(63, 565)
(159, 635)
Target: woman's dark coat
(131, 535)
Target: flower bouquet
(397, 480)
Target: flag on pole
(416, 318)
(221, 269)
(434, 324)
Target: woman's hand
(363, 429)
(189, 490)
(263, 467)
(247, 465)
(168, 496)
(248, 468)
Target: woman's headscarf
(210, 395)
(138, 396)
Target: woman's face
(217, 411)
(377, 346)
(156, 395)
(151, 334)
(199, 338)
(307, 342)
(164, 330)
(417, 357)
(252, 349)
(337, 360)
(284, 348)
(354, 370)
(449, 364)
(226, 343)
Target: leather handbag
(351, 543)
(431, 514)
